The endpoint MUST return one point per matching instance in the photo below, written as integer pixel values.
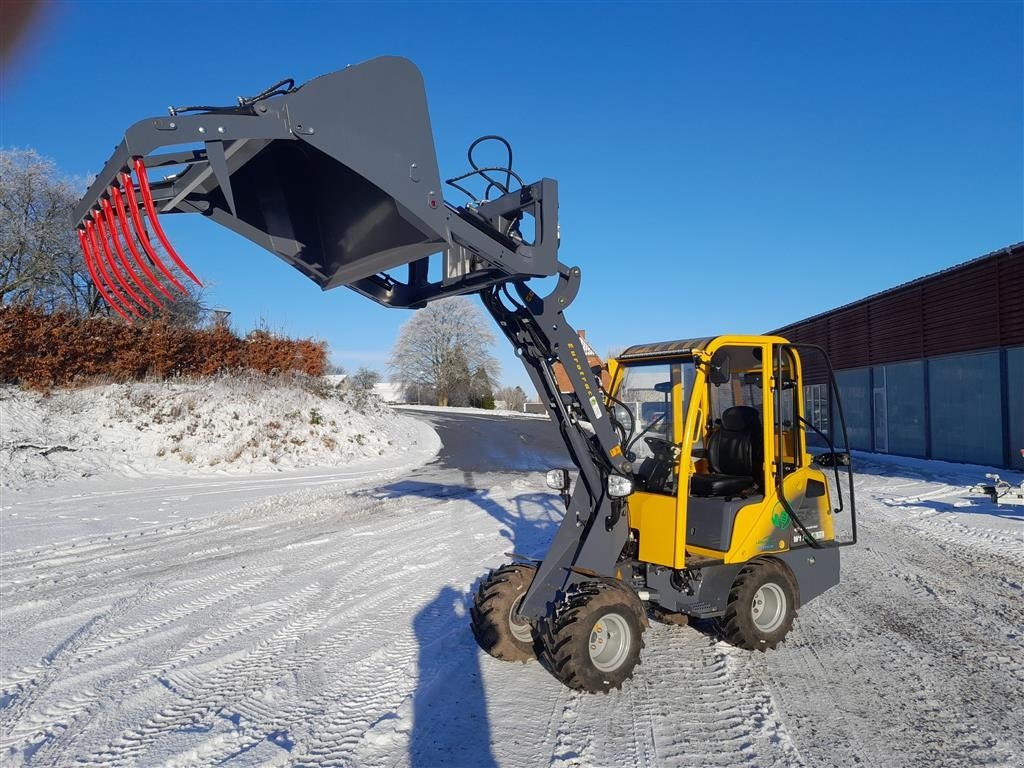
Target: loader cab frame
(723, 470)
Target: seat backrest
(736, 448)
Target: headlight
(619, 486)
(557, 479)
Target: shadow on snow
(450, 723)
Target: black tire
(574, 640)
(761, 608)
(492, 616)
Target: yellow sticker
(782, 543)
(616, 451)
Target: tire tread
(559, 636)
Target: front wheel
(593, 642)
(495, 619)
(761, 608)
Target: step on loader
(696, 493)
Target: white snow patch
(238, 425)
(328, 627)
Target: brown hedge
(41, 350)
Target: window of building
(816, 411)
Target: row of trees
(45, 349)
(41, 263)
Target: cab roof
(659, 348)
(682, 347)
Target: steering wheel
(660, 476)
(662, 449)
(645, 430)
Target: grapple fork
(338, 177)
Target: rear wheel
(593, 642)
(761, 608)
(494, 617)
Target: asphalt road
(482, 443)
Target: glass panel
(1015, 385)
(744, 388)
(855, 392)
(966, 408)
(646, 393)
(787, 427)
(904, 398)
(816, 412)
(744, 385)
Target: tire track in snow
(706, 709)
(32, 682)
(35, 681)
(863, 664)
(928, 625)
(691, 702)
(211, 691)
(53, 752)
(642, 714)
(364, 691)
(335, 721)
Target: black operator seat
(735, 455)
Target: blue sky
(722, 167)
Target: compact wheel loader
(695, 493)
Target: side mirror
(720, 368)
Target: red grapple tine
(147, 199)
(95, 276)
(122, 219)
(122, 301)
(140, 231)
(111, 227)
(102, 234)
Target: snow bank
(237, 424)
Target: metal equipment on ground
(1001, 491)
(695, 495)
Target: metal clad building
(933, 368)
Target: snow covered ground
(327, 625)
(238, 424)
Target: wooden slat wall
(897, 327)
(1011, 298)
(961, 310)
(979, 305)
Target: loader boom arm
(339, 178)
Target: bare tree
(41, 261)
(187, 309)
(440, 345)
(364, 379)
(514, 397)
